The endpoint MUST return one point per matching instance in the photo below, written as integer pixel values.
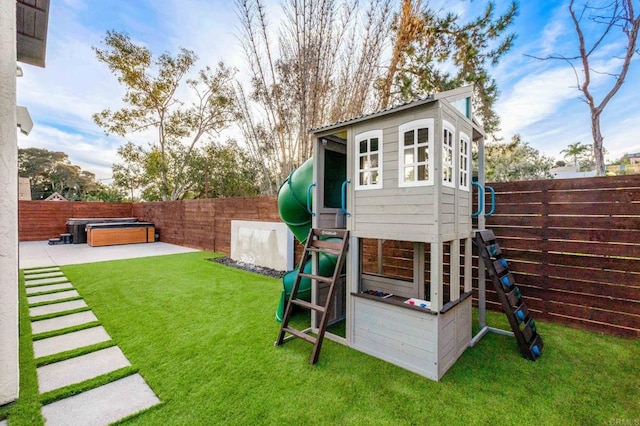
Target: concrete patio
(41, 254)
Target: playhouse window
(415, 153)
(448, 158)
(465, 150)
(369, 160)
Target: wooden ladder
(522, 324)
(316, 243)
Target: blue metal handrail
(343, 198)
(480, 200)
(311, 212)
(493, 200)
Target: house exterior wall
(8, 207)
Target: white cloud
(94, 155)
(534, 98)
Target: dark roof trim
(449, 94)
(376, 114)
(32, 20)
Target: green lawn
(202, 335)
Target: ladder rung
(326, 245)
(300, 334)
(324, 250)
(337, 233)
(307, 305)
(317, 277)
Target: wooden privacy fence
(574, 248)
(205, 224)
(41, 220)
(573, 245)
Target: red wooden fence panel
(573, 245)
(41, 220)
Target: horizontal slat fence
(205, 224)
(41, 220)
(574, 247)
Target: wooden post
(436, 276)
(454, 273)
(418, 268)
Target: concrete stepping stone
(43, 275)
(81, 368)
(3, 423)
(41, 270)
(102, 405)
(54, 280)
(50, 287)
(57, 307)
(52, 297)
(70, 341)
(64, 321)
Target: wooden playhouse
(400, 182)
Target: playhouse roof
(399, 107)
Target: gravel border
(227, 261)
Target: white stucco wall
(267, 244)
(8, 207)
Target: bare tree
(617, 20)
(318, 67)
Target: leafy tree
(51, 171)
(151, 87)
(515, 160)
(129, 175)
(580, 153)
(210, 171)
(106, 193)
(437, 53)
(610, 25)
(224, 171)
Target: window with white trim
(369, 160)
(415, 153)
(464, 162)
(448, 157)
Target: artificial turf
(201, 334)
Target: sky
(538, 99)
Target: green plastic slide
(292, 206)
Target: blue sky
(537, 98)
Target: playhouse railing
(309, 210)
(343, 198)
(481, 192)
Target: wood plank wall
(41, 220)
(574, 245)
(205, 224)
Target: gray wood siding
(404, 337)
(390, 285)
(454, 335)
(392, 212)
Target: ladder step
(317, 278)
(307, 305)
(328, 245)
(300, 334)
(326, 250)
